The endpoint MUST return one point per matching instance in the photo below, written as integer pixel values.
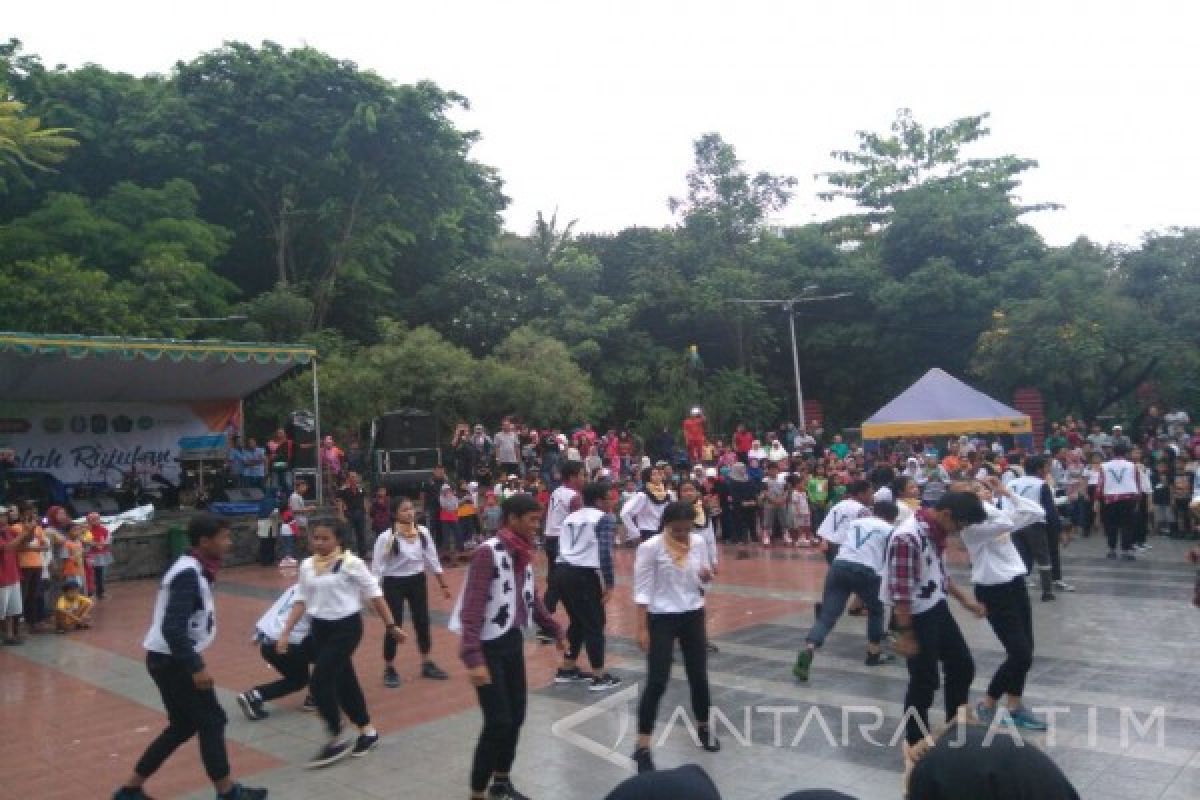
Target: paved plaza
(1119, 653)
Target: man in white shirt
(563, 501)
(293, 665)
(1118, 492)
(508, 449)
(857, 570)
(855, 505)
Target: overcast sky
(591, 108)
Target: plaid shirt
(606, 535)
(904, 560)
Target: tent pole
(317, 427)
(796, 370)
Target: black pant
(551, 597)
(98, 578)
(411, 589)
(1142, 520)
(1032, 545)
(190, 712)
(1119, 521)
(664, 629)
(334, 685)
(1010, 616)
(1054, 545)
(292, 665)
(938, 640)
(266, 551)
(358, 523)
(582, 596)
(502, 702)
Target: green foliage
(25, 146)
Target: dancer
(404, 553)
(1033, 540)
(1118, 491)
(183, 626)
(585, 583)
(998, 572)
(670, 574)
(915, 585)
(643, 513)
(333, 583)
(292, 666)
(855, 505)
(563, 501)
(858, 569)
(498, 600)
(689, 492)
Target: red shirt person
(694, 436)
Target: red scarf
(522, 550)
(210, 565)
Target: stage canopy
(941, 405)
(44, 367)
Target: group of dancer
(883, 552)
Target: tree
(884, 167)
(25, 146)
(725, 203)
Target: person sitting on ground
(73, 609)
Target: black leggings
(502, 702)
(583, 597)
(1010, 616)
(411, 589)
(292, 665)
(688, 628)
(190, 712)
(334, 685)
(938, 640)
(31, 595)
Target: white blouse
(340, 591)
(665, 588)
(406, 558)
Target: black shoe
(1048, 597)
(391, 678)
(253, 709)
(504, 790)
(1112, 555)
(239, 792)
(876, 659)
(309, 704)
(331, 753)
(1128, 556)
(707, 740)
(125, 793)
(433, 672)
(572, 675)
(364, 744)
(712, 647)
(602, 683)
(642, 758)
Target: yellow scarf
(701, 515)
(657, 491)
(677, 550)
(321, 564)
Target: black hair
(881, 476)
(570, 469)
(340, 527)
(593, 493)
(694, 483)
(646, 474)
(399, 501)
(899, 485)
(1034, 465)
(677, 512)
(1121, 449)
(205, 526)
(965, 507)
(857, 487)
(519, 505)
(886, 511)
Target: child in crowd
(99, 552)
(73, 610)
(468, 517)
(799, 517)
(73, 551)
(448, 517)
(289, 529)
(492, 515)
(1160, 487)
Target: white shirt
(287, 529)
(710, 539)
(560, 507)
(340, 591)
(884, 495)
(663, 587)
(994, 558)
(396, 557)
(642, 514)
(577, 546)
(1121, 477)
(865, 543)
(270, 625)
(837, 521)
